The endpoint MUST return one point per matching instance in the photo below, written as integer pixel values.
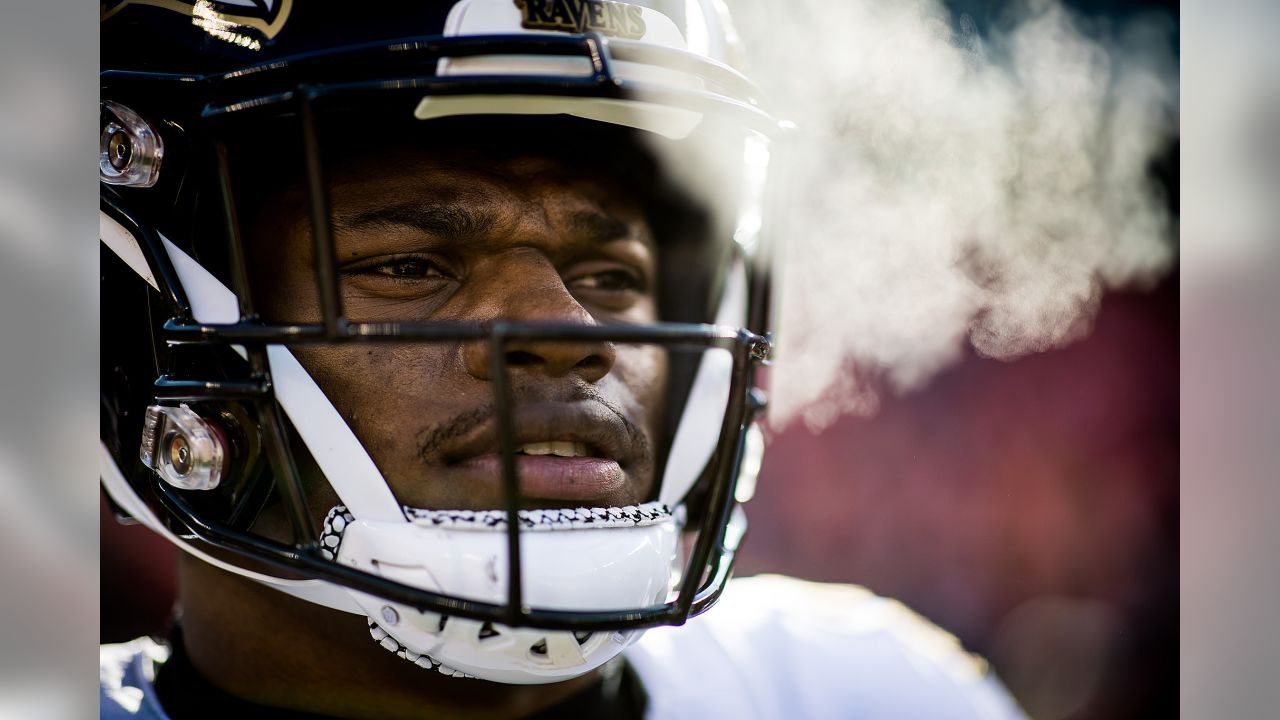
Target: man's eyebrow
(460, 221)
(452, 221)
(597, 226)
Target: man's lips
(547, 432)
(587, 422)
(596, 481)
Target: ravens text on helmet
(580, 16)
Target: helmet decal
(220, 18)
(606, 17)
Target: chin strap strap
(456, 552)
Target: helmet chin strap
(583, 559)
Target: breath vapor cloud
(948, 187)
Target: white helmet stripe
(341, 457)
(699, 428)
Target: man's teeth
(554, 447)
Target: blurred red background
(1030, 507)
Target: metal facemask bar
(710, 561)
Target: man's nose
(535, 292)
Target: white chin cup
(572, 559)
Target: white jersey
(126, 679)
(777, 647)
(773, 647)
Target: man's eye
(408, 267)
(609, 280)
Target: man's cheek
(645, 375)
(356, 381)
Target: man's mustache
(439, 435)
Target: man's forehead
(374, 188)
(450, 158)
(468, 170)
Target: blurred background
(999, 449)
(1028, 507)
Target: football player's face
(464, 239)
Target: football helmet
(209, 416)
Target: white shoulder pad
(126, 678)
(781, 647)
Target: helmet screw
(119, 150)
(760, 350)
(179, 454)
(389, 615)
